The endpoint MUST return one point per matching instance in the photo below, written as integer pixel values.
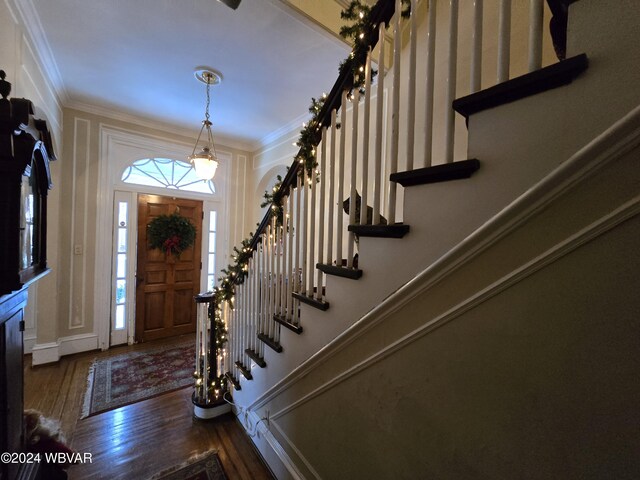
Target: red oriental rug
(130, 377)
(203, 467)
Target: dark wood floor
(139, 440)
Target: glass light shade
(205, 164)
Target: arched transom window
(166, 173)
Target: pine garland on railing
(220, 336)
(236, 272)
(273, 200)
(309, 136)
(360, 31)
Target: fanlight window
(166, 173)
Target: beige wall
(519, 360)
(266, 163)
(24, 70)
(59, 315)
(79, 184)
(518, 344)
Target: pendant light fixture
(205, 161)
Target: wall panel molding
(28, 16)
(79, 222)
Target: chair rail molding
(621, 138)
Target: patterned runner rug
(134, 376)
(203, 467)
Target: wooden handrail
(380, 13)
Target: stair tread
(285, 323)
(547, 78)
(270, 342)
(233, 380)
(244, 370)
(319, 304)
(339, 271)
(397, 230)
(256, 358)
(437, 173)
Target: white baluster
(364, 185)
(451, 82)
(535, 34)
(331, 173)
(378, 158)
(245, 316)
(298, 232)
(340, 180)
(263, 291)
(312, 234)
(395, 116)
(272, 277)
(323, 188)
(476, 54)
(354, 164)
(504, 40)
(283, 259)
(252, 316)
(198, 344)
(305, 231)
(429, 83)
(290, 270)
(256, 299)
(411, 107)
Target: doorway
(114, 308)
(166, 284)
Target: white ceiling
(137, 57)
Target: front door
(166, 284)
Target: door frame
(118, 150)
(131, 196)
(148, 261)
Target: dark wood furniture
(25, 152)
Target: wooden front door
(166, 284)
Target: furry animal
(39, 428)
(346, 205)
(43, 435)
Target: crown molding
(300, 15)
(283, 131)
(189, 133)
(29, 18)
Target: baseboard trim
(43, 353)
(51, 352)
(268, 446)
(28, 344)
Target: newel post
(210, 383)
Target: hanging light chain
(206, 112)
(206, 161)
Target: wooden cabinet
(11, 391)
(25, 179)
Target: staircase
(466, 341)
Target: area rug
(202, 467)
(134, 376)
